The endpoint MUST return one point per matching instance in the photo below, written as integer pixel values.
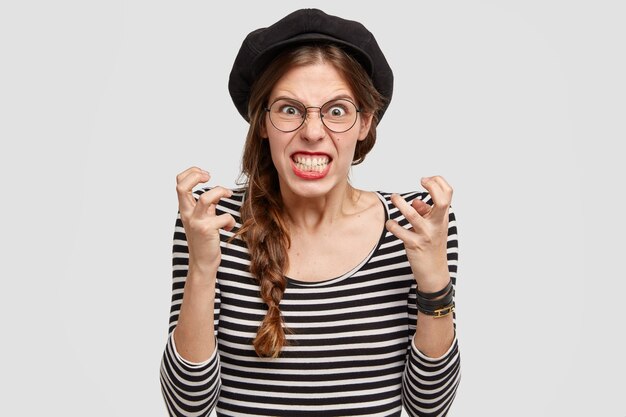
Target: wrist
(436, 303)
(204, 264)
(433, 282)
(201, 275)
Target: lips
(310, 165)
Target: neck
(317, 212)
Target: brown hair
(263, 224)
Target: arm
(189, 388)
(432, 374)
(190, 377)
(430, 381)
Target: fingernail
(425, 179)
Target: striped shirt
(350, 349)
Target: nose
(313, 128)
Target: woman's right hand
(200, 221)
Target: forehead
(312, 83)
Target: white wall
(519, 105)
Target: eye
(289, 109)
(337, 111)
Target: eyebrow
(337, 97)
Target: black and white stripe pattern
(350, 348)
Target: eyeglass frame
(306, 113)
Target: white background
(519, 105)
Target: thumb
(421, 207)
(225, 221)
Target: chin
(307, 190)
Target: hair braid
(267, 238)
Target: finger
(209, 199)
(186, 173)
(407, 211)
(185, 182)
(225, 221)
(421, 207)
(441, 194)
(188, 179)
(400, 232)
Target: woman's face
(313, 160)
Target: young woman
(299, 294)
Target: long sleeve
(429, 385)
(189, 389)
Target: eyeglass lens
(288, 115)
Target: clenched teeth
(307, 163)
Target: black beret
(302, 27)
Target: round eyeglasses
(287, 115)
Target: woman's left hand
(426, 240)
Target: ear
(263, 131)
(365, 122)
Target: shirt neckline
(329, 281)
